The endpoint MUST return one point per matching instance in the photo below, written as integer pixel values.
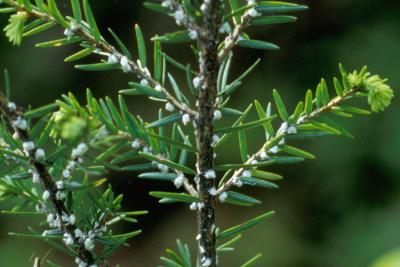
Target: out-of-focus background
(340, 210)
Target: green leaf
(297, 152)
(256, 44)
(338, 87)
(79, 55)
(158, 61)
(170, 263)
(40, 4)
(243, 145)
(241, 199)
(147, 90)
(141, 46)
(309, 102)
(173, 38)
(268, 20)
(178, 92)
(178, 197)
(333, 124)
(235, 6)
(270, 7)
(39, 112)
(7, 10)
(231, 112)
(173, 142)
(57, 14)
(355, 110)
(262, 115)
(244, 126)
(184, 251)
(270, 161)
(158, 176)
(258, 182)
(124, 236)
(164, 121)
(91, 20)
(325, 127)
(121, 45)
(138, 167)
(157, 7)
(39, 29)
(60, 42)
(168, 163)
(280, 106)
(252, 261)
(265, 175)
(98, 67)
(324, 93)
(238, 229)
(76, 8)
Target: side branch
(269, 144)
(15, 114)
(104, 46)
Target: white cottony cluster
(301, 120)
(166, 3)
(222, 197)
(40, 154)
(69, 32)
(212, 191)
(185, 119)
(169, 107)
(136, 144)
(112, 59)
(68, 239)
(144, 82)
(35, 177)
(28, 146)
(215, 140)
(246, 173)
(20, 123)
(237, 182)
(46, 195)
(147, 149)
(253, 162)
(89, 243)
(205, 262)
(125, 66)
(79, 150)
(193, 34)
(285, 128)
(163, 168)
(252, 12)
(225, 28)
(217, 115)
(81, 263)
(274, 149)
(197, 82)
(179, 16)
(210, 174)
(196, 206)
(11, 106)
(178, 181)
(158, 88)
(60, 195)
(263, 155)
(54, 220)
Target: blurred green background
(340, 210)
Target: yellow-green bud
(15, 27)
